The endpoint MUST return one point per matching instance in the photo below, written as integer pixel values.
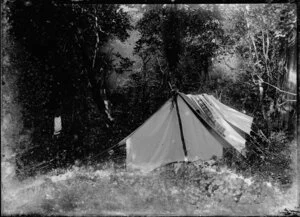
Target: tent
(186, 128)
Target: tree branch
(160, 66)
(286, 102)
(263, 44)
(276, 87)
(253, 42)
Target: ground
(180, 189)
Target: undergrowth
(180, 188)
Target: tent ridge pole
(180, 127)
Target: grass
(186, 190)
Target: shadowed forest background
(106, 68)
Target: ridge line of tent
(180, 126)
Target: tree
(173, 39)
(62, 55)
(260, 37)
(259, 34)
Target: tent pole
(180, 126)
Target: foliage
(63, 72)
(189, 190)
(11, 115)
(280, 158)
(196, 36)
(259, 34)
(64, 69)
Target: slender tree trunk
(297, 128)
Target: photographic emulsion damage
(149, 109)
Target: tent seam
(180, 128)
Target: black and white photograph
(171, 109)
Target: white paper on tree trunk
(57, 125)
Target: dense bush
(64, 69)
(63, 72)
(183, 57)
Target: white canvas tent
(186, 127)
